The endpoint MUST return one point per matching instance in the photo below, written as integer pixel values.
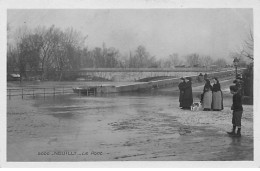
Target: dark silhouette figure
(181, 88)
(187, 97)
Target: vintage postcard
(120, 84)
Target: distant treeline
(53, 50)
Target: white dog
(195, 106)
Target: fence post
(33, 93)
(22, 93)
(44, 92)
(53, 91)
(63, 90)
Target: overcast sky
(214, 32)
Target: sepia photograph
(129, 84)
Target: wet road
(134, 127)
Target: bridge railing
(35, 91)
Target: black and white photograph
(130, 84)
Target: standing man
(240, 85)
(237, 111)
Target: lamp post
(235, 61)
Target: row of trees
(52, 50)
(44, 49)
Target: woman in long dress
(187, 97)
(181, 88)
(217, 96)
(207, 96)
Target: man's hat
(182, 79)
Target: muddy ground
(134, 127)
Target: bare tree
(124, 60)
(112, 57)
(220, 62)
(12, 58)
(246, 50)
(109, 56)
(174, 59)
(12, 52)
(248, 46)
(192, 59)
(67, 53)
(49, 49)
(171, 61)
(141, 55)
(133, 61)
(28, 51)
(205, 61)
(49, 41)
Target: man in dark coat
(181, 88)
(240, 85)
(237, 111)
(187, 97)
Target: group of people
(212, 96)
(212, 99)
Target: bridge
(172, 82)
(141, 74)
(131, 74)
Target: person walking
(207, 96)
(181, 88)
(217, 96)
(187, 97)
(237, 111)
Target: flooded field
(134, 127)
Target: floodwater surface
(134, 127)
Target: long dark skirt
(186, 103)
(181, 98)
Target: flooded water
(134, 127)
(38, 84)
